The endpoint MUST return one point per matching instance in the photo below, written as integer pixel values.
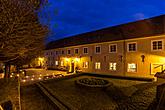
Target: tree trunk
(7, 70)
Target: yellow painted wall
(143, 48)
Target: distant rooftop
(142, 28)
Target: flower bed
(93, 82)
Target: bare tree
(21, 33)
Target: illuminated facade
(133, 49)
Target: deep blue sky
(71, 17)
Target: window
(132, 67)
(47, 53)
(97, 65)
(97, 49)
(62, 52)
(85, 64)
(56, 63)
(112, 66)
(112, 48)
(157, 45)
(131, 47)
(62, 63)
(76, 51)
(68, 51)
(56, 52)
(85, 50)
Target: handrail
(159, 66)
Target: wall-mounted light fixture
(91, 58)
(121, 58)
(143, 57)
(105, 58)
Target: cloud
(139, 16)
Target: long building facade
(135, 49)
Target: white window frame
(157, 41)
(67, 51)
(112, 67)
(62, 51)
(97, 65)
(75, 51)
(130, 68)
(87, 50)
(110, 48)
(100, 49)
(131, 43)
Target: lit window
(157, 45)
(132, 67)
(62, 63)
(85, 50)
(97, 65)
(68, 51)
(112, 48)
(76, 51)
(131, 47)
(85, 64)
(56, 63)
(112, 66)
(97, 49)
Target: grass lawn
(123, 95)
(9, 91)
(32, 99)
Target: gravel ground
(32, 99)
(124, 95)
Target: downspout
(124, 52)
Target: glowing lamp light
(67, 59)
(77, 59)
(11, 76)
(17, 75)
(32, 79)
(41, 59)
(24, 80)
(39, 78)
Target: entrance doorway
(72, 66)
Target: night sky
(71, 17)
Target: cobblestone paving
(141, 99)
(124, 95)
